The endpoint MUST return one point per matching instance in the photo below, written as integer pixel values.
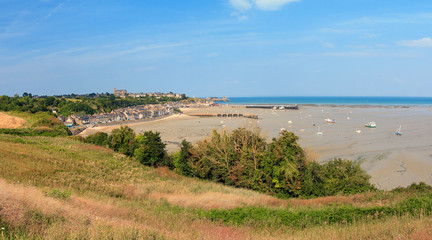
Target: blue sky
(217, 47)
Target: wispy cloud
(241, 5)
(266, 5)
(150, 47)
(328, 45)
(65, 52)
(146, 68)
(334, 30)
(215, 54)
(58, 7)
(272, 4)
(423, 42)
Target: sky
(217, 47)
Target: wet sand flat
(391, 160)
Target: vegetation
(113, 196)
(123, 140)
(150, 150)
(99, 138)
(40, 124)
(58, 194)
(77, 105)
(242, 158)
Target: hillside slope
(62, 188)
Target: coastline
(380, 152)
(332, 105)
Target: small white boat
(328, 120)
(371, 125)
(358, 131)
(319, 133)
(398, 132)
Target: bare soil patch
(8, 121)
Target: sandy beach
(391, 160)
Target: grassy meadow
(61, 188)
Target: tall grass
(113, 196)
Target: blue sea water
(377, 101)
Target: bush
(243, 158)
(335, 177)
(180, 159)
(65, 195)
(122, 140)
(99, 138)
(150, 150)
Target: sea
(374, 101)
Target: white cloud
(267, 5)
(150, 47)
(328, 45)
(272, 4)
(368, 35)
(424, 42)
(241, 5)
(216, 54)
(55, 9)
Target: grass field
(59, 188)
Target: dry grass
(392, 228)
(8, 121)
(116, 197)
(82, 217)
(63, 163)
(88, 218)
(355, 200)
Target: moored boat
(371, 125)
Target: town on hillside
(139, 112)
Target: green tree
(122, 140)
(285, 165)
(99, 138)
(181, 162)
(151, 151)
(346, 177)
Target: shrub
(99, 138)
(150, 150)
(335, 177)
(180, 159)
(65, 195)
(243, 158)
(122, 140)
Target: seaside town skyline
(216, 48)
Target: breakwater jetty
(279, 107)
(225, 115)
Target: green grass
(67, 189)
(38, 124)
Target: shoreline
(329, 105)
(379, 150)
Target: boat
(371, 125)
(328, 120)
(319, 132)
(398, 132)
(358, 131)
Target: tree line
(79, 105)
(243, 158)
